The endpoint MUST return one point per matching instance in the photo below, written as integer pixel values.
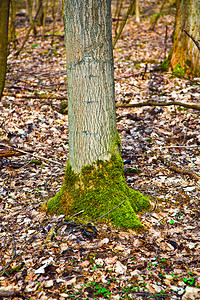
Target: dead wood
(186, 105)
(33, 154)
(9, 153)
(35, 96)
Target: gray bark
(90, 80)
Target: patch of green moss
(178, 71)
(13, 270)
(165, 65)
(100, 188)
(63, 104)
(130, 171)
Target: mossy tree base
(98, 189)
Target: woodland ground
(45, 257)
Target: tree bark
(137, 11)
(4, 18)
(94, 179)
(90, 79)
(185, 57)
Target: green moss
(165, 65)
(63, 104)
(178, 71)
(99, 188)
(13, 270)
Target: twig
(70, 276)
(145, 70)
(109, 211)
(9, 153)
(177, 169)
(165, 42)
(185, 135)
(35, 96)
(192, 106)
(196, 43)
(177, 146)
(35, 155)
(78, 213)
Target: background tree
(4, 18)
(94, 179)
(136, 10)
(185, 56)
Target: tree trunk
(185, 57)
(94, 179)
(41, 12)
(4, 18)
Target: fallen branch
(35, 96)
(177, 146)
(35, 155)
(192, 106)
(9, 153)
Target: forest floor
(48, 257)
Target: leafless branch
(196, 43)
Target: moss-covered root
(99, 189)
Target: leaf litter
(49, 257)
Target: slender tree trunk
(92, 121)
(94, 180)
(137, 11)
(4, 18)
(12, 33)
(29, 6)
(185, 54)
(41, 13)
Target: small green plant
(35, 45)
(190, 281)
(149, 140)
(99, 290)
(178, 71)
(39, 288)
